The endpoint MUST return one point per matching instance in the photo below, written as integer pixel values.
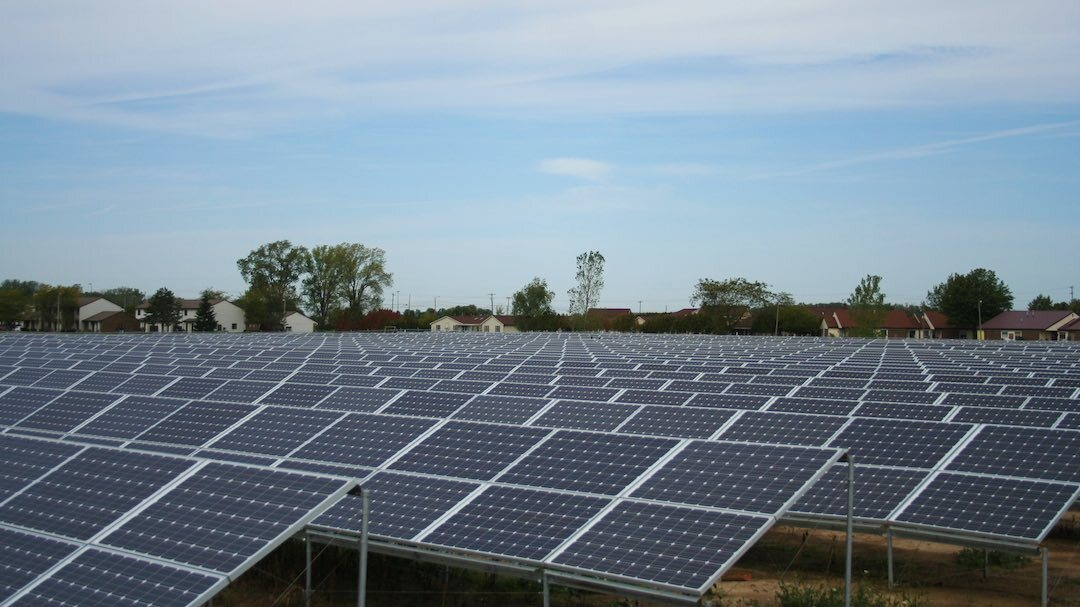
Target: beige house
(479, 323)
(296, 322)
(230, 317)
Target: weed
(790, 595)
(973, 558)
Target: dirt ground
(930, 571)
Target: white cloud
(582, 168)
(229, 69)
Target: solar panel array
(93, 525)
(652, 460)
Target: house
(110, 322)
(896, 324)
(938, 326)
(230, 317)
(1027, 325)
(87, 307)
(1070, 332)
(295, 322)
(480, 323)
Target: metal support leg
(850, 528)
(986, 563)
(888, 551)
(361, 598)
(1045, 576)
(307, 571)
(547, 588)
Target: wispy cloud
(918, 151)
(581, 168)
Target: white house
(229, 316)
(479, 323)
(296, 322)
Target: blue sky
(481, 144)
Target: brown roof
(508, 321)
(88, 299)
(1073, 326)
(1020, 320)
(938, 319)
(894, 319)
(100, 316)
(470, 319)
(685, 312)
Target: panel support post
(888, 551)
(547, 588)
(850, 528)
(361, 591)
(307, 570)
(1045, 576)
(986, 563)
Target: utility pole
(639, 306)
(392, 301)
(398, 299)
(59, 320)
(491, 296)
(409, 306)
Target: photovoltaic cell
(24, 460)
(878, 491)
(240, 391)
(89, 492)
(60, 379)
(363, 439)
(501, 409)
(222, 515)
(678, 422)
(405, 505)
(996, 506)
(511, 521)
(1026, 452)
(20, 402)
(97, 578)
(671, 545)
(192, 387)
(752, 478)
(889, 442)
(592, 463)
(297, 395)
(275, 431)
(783, 428)
(1007, 417)
(903, 411)
(361, 400)
(813, 405)
(195, 423)
(25, 557)
(583, 393)
(469, 450)
(521, 389)
(652, 397)
(144, 384)
(68, 411)
(729, 401)
(427, 404)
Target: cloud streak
(581, 168)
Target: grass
(972, 558)
(792, 595)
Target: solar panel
(783, 428)
(736, 476)
(427, 404)
(729, 401)
(678, 422)
(275, 431)
(195, 423)
(191, 387)
(20, 402)
(25, 557)
(813, 405)
(878, 491)
(469, 450)
(889, 442)
(362, 439)
(994, 506)
(60, 379)
(298, 395)
(501, 409)
(1025, 452)
(240, 391)
(671, 545)
(359, 399)
(903, 411)
(1009, 417)
(67, 411)
(593, 463)
(512, 521)
(146, 385)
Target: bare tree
(590, 281)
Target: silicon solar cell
(408, 383)
(195, 423)
(1071, 421)
(297, 395)
(574, 380)
(681, 422)
(469, 450)
(89, 492)
(711, 387)
(130, 417)
(240, 391)
(309, 377)
(1052, 404)
(878, 491)
(23, 460)
(783, 428)
(736, 476)
(593, 463)
(583, 393)
(20, 402)
(729, 401)
(362, 439)
(583, 415)
(1025, 452)
(515, 389)
(903, 411)
(67, 411)
(1010, 417)
(429, 404)
(900, 396)
(60, 379)
(405, 505)
(983, 400)
(761, 390)
(829, 393)
(510, 521)
(891, 442)
(145, 385)
(995, 506)
(670, 545)
(466, 387)
(275, 431)
(637, 383)
(363, 400)
(25, 376)
(501, 409)
(812, 405)
(222, 515)
(25, 557)
(653, 397)
(191, 387)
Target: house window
(912, 334)
(498, 329)
(234, 326)
(487, 329)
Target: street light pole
(978, 334)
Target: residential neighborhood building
(896, 324)
(295, 322)
(482, 323)
(1070, 332)
(229, 316)
(92, 313)
(1028, 325)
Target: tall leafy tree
(532, 306)
(205, 318)
(272, 271)
(866, 305)
(726, 302)
(962, 296)
(163, 309)
(1041, 302)
(127, 298)
(590, 282)
(16, 301)
(56, 306)
(364, 277)
(324, 285)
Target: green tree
(205, 318)
(364, 277)
(271, 272)
(962, 296)
(867, 308)
(163, 310)
(531, 307)
(16, 301)
(127, 298)
(1041, 302)
(725, 302)
(324, 285)
(590, 282)
(56, 307)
